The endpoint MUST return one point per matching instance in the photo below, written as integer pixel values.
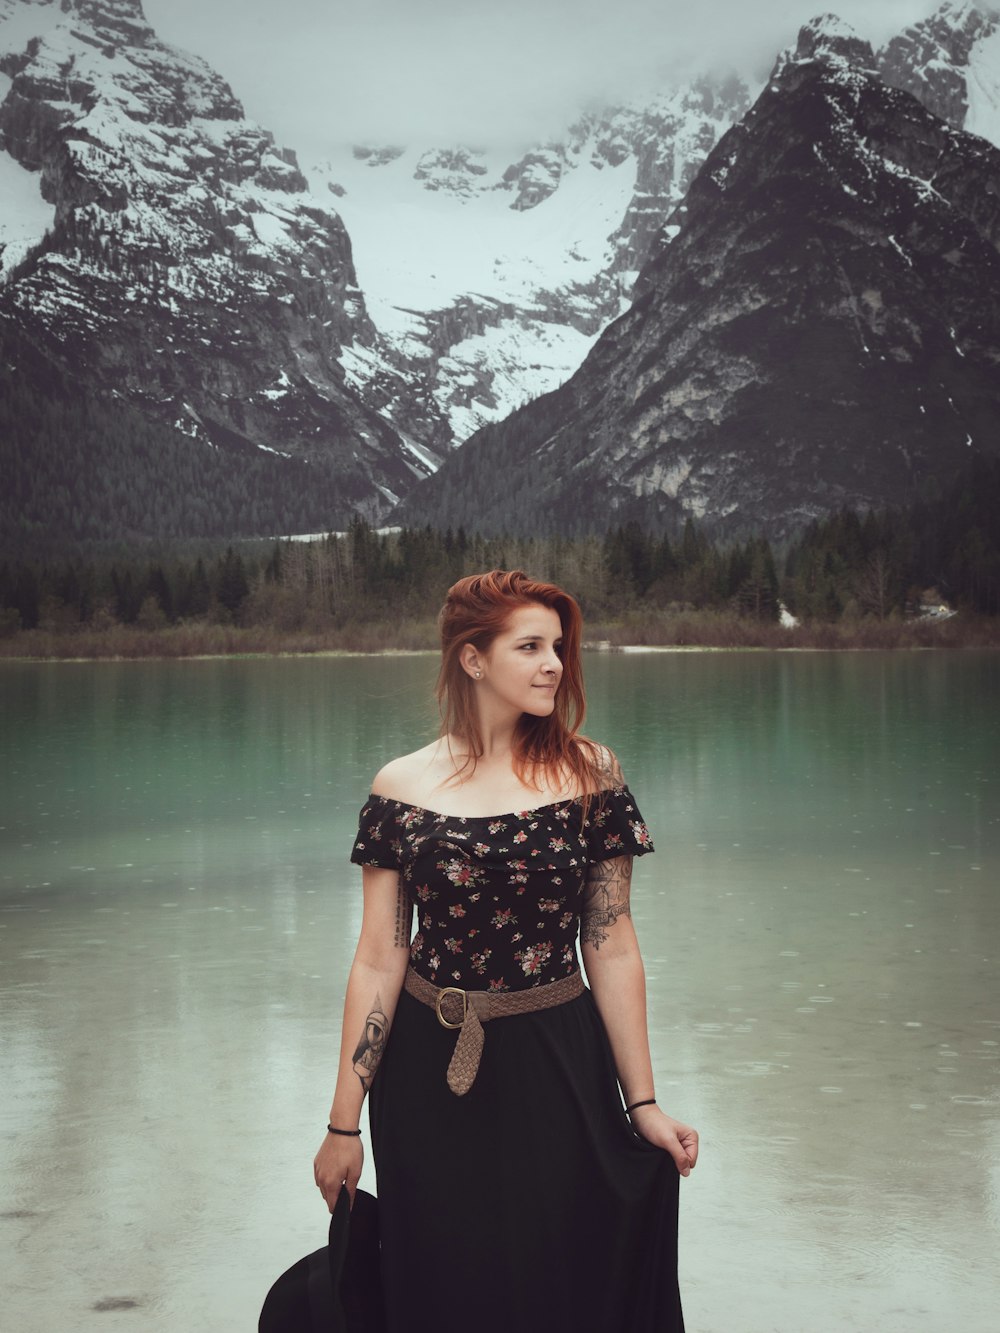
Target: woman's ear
(471, 661)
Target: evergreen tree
(24, 595)
(127, 595)
(272, 570)
(158, 586)
(693, 545)
(196, 597)
(231, 586)
(758, 593)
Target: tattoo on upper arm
(368, 1053)
(404, 918)
(611, 770)
(605, 898)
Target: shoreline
(634, 630)
(235, 654)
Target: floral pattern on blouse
(498, 897)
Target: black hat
(337, 1289)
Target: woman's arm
(373, 987)
(618, 981)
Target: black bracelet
(348, 1133)
(650, 1101)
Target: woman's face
(522, 667)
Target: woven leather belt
(468, 1010)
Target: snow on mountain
(489, 273)
(24, 215)
(157, 242)
(21, 20)
(827, 37)
(950, 61)
(187, 267)
(423, 241)
(982, 87)
(823, 329)
(461, 284)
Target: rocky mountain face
(162, 247)
(951, 62)
(827, 38)
(509, 263)
(820, 327)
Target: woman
(515, 1192)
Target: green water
(820, 925)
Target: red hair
(476, 610)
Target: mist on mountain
(321, 73)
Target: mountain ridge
(186, 267)
(521, 325)
(511, 263)
(182, 260)
(846, 289)
(936, 61)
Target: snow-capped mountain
(820, 328)
(951, 62)
(455, 280)
(161, 245)
(490, 273)
(828, 38)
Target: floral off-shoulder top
(498, 897)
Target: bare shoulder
(609, 771)
(406, 778)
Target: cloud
(320, 71)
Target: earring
(479, 675)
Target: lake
(820, 925)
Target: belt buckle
(451, 990)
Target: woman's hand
(338, 1163)
(679, 1140)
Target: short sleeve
(380, 835)
(615, 827)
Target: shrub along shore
(664, 630)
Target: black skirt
(529, 1203)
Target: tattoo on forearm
(404, 918)
(605, 898)
(369, 1050)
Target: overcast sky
(446, 70)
